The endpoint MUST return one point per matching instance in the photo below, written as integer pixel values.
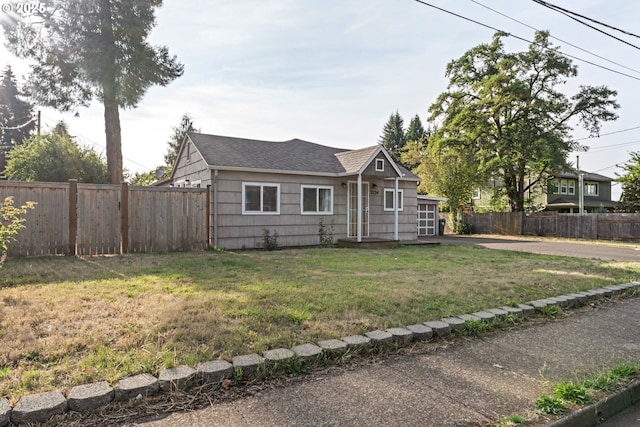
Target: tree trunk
(110, 97)
(114, 142)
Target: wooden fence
(92, 219)
(612, 226)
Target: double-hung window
(389, 197)
(590, 188)
(316, 200)
(260, 198)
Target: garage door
(427, 219)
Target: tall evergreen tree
(93, 49)
(175, 141)
(415, 131)
(16, 115)
(392, 138)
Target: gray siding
(236, 231)
(191, 167)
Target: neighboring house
(563, 195)
(288, 187)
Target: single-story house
(289, 187)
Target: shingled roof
(294, 155)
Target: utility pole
(580, 187)
(38, 122)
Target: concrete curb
(40, 407)
(593, 415)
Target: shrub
(464, 228)
(326, 234)
(270, 240)
(11, 222)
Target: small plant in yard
(325, 232)
(551, 311)
(511, 420)
(550, 405)
(475, 328)
(572, 392)
(11, 222)
(270, 240)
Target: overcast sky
(332, 71)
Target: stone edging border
(39, 407)
(593, 415)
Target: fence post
(124, 217)
(208, 210)
(73, 216)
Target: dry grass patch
(66, 321)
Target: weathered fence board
(108, 219)
(613, 226)
(47, 230)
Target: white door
(427, 219)
(352, 209)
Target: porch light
(344, 185)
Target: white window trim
(563, 186)
(379, 165)
(261, 185)
(196, 184)
(400, 195)
(571, 188)
(316, 187)
(556, 187)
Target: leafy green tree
(16, 115)
(55, 157)
(95, 49)
(630, 182)
(392, 138)
(506, 112)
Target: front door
(352, 209)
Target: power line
(525, 40)
(585, 17)
(98, 144)
(608, 133)
(568, 14)
(607, 147)
(18, 127)
(556, 38)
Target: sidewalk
(457, 382)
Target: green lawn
(73, 320)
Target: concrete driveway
(588, 249)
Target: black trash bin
(441, 223)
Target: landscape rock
(278, 355)
(177, 378)
(379, 337)
(469, 318)
(484, 315)
(5, 412)
(86, 397)
(251, 365)
(440, 329)
(420, 332)
(214, 371)
(333, 346)
(513, 310)
(400, 335)
(357, 342)
(36, 408)
(456, 323)
(307, 352)
(130, 387)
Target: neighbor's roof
(294, 155)
(589, 176)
